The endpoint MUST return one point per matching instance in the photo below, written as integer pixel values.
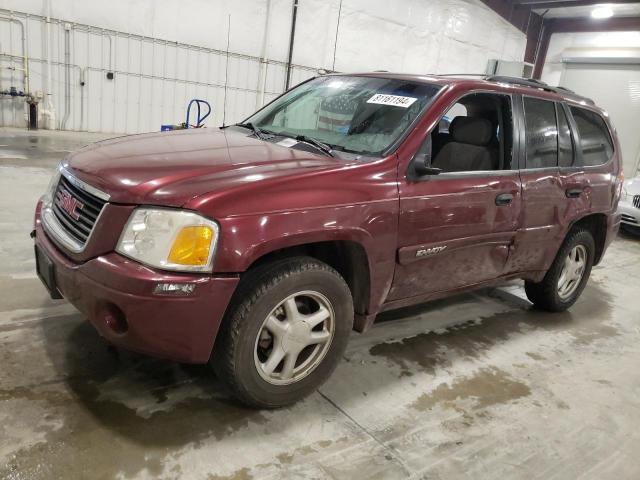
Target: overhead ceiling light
(602, 12)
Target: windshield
(353, 114)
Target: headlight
(169, 239)
(47, 198)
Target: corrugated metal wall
(156, 77)
(153, 78)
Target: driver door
(457, 228)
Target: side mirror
(422, 165)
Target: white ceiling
(619, 10)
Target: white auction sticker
(394, 100)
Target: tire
(548, 294)
(259, 326)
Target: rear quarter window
(595, 141)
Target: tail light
(618, 187)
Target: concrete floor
(477, 386)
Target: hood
(170, 168)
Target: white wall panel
(164, 54)
(410, 35)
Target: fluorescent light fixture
(602, 11)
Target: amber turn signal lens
(191, 246)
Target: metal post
(67, 75)
(262, 82)
(291, 38)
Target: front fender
(243, 240)
(373, 225)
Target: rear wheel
(285, 333)
(568, 275)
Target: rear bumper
(113, 291)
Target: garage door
(616, 88)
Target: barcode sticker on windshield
(394, 100)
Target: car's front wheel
(285, 332)
(568, 275)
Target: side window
(474, 135)
(458, 110)
(565, 140)
(595, 141)
(541, 132)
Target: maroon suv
(259, 246)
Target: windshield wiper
(316, 143)
(258, 133)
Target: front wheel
(567, 276)
(285, 333)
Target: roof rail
(460, 74)
(565, 89)
(528, 82)
(533, 83)
(524, 82)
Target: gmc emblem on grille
(69, 204)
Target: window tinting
(565, 142)
(542, 133)
(595, 141)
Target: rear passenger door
(544, 202)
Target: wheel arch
(596, 224)
(348, 257)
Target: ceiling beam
(516, 15)
(613, 24)
(540, 4)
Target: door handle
(504, 199)
(573, 192)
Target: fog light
(115, 319)
(174, 288)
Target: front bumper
(630, 214)
(115, 292)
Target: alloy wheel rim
(294, 338)
(572, 271)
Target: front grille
(628, 218)
(76, 210)
(636, 201)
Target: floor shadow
(629, 233)
(139, 397)
(142, 399)
(585, 322)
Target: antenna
(335, 43)
(226, 73)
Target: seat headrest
(471, 130)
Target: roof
(521, 85)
